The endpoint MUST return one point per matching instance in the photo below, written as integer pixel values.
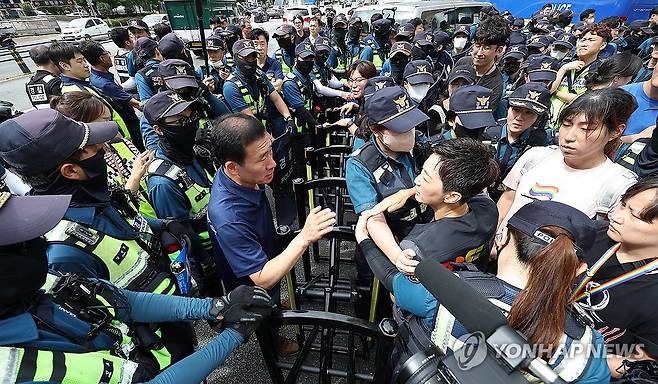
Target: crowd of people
(520, 154)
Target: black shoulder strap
(486, 284)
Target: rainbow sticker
(543, 192)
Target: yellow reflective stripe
(45, 370)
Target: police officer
(355, 46)
(400, 57)
(45, 82)
(148, 79)
(562, 48)
(471, 106)
(460, 40)
(406, 32)
(522, 129)
(417, 82)
(380, 44)
(340, 57)
(137, 29)
(124, 58)
(512, 75)
(329, 87)
(440, 59)
(68, 328)
(423, 46)
(267, 64)
(217, 72)
(285, 37)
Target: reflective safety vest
(307, 94)
(343, 60)
(152, 76)
(629, 156)
(257, 106)
(571, 83)
(120, 61)
(115, 115)
(134, 264)
(228, 60)
(577, 338)
(377, 60)
(388, 182)
(284, 66)
(36, 89)
(197, 195)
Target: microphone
(476, 313)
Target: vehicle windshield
(296, 11)
(77, 23)
(152, 18)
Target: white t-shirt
(541, 174)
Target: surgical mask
(305, 67)
(247, 69)
(402, 143)
(418, 92)
(218, 65)
(460, 42)
(557, 54)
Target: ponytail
(539, 310)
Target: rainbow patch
(543, 192)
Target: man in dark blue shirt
(239, 215)
(267, 64)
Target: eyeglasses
(357, 80)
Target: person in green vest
(285, 37)
(55, 330)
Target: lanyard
(580, 292)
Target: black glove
(290, 125)
(243, 308)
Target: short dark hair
(119, 36)
(231, 134)
(654, 11)
(161, 29)
(92, 51)
(40, 54)
(599, 29)
(315, 18)
(62, 52)
(79, 106)
(215, 20)
(465, 167)
(416, 21)
(493, 31)
(258, 32)
(586, 13)
(650, 212)
(547, 5)
(366, 69)
(621, 64)
(298, 16)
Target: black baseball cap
(566, 40)
(394, 109)
(541, 41)
(355, 20)
(518, 22)
(171, 45)
(533, 96)
(340, 19)
(516, 38)
(283, 30)
(138, 24)
(471, 103)
(40, 140)
(542, 68)
(215, 43)
(418, 72)
(424, 38)
(244, 48)
(641, 25)
(518, 52)
(380, 25)
(322, 44)
(462, 30)
(304, 49)
(24, 218)
(441, 38)
(165, 104)
(144, 46)
(466, 72)
(401, 47)
(537, 214)
(407, 30)
(177, 74)
(376, 83)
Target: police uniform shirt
(273, 69)
(241, 227)
(38, 92)
(294, 96)
(143, 88)
(234, 97)
(625, 314)
(645, 114)
(450, 239)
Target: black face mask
(382, 37)
(418, 53)
(285, 43)
(330, 21)
(461, 131)
(23, 269)
(305, 67)
(178, 140)
(397, 67)
(511, 67)
(339, 35)
(247, 69)
(321, 59)
(354, 33)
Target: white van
(85, 28)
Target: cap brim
(181, 82)
(101, 132)
(176, 109)
(25, 218)
(456, 77)
(477, 120)
(563, 44)
(247, 51)
(418, 78)
(515, 55)
(406, 121)
(527, 104)
(542, 76)
(304, 55)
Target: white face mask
(403, 142)
(418, 91)
(217, 64)
(558, 55)
(460, 42)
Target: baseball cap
(138, 24)
(518, 52)
(376, 83)
(418, 71)
(540, 42)
(537, 214)
(466, 72)
(355, 20)
(579, 26)
(340, 19)
(24, 218)
(304, 49)
(518, 22)
(177, 74)
(381, 25)
(322, 44)
(171, 45)
(165, 104)
(542, 68)
(407, 30)
(472, 104)
(215, 43)
(566, 40)
(144, 45)
(401, 47)
(516, 38)
(394, 109)
(424, 38)
(38, 141)
(533, 96)
(441, 38)
(283, 30)
(462, 30)
(641, 25)
(244, 48)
